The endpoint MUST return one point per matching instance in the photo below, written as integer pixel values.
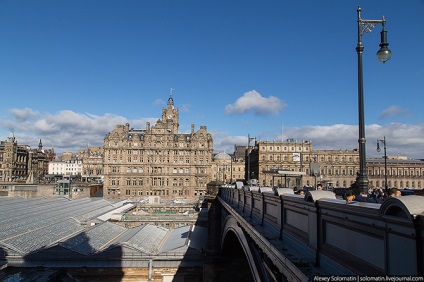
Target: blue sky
(71, 70)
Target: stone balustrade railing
(367, 238)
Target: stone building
(21, 163)
(72, 168)
(92, 164)
(13, 160)
(66, 156)
(157, 160)
(38, 163)
(239, 163)
(332, 168)
(221, 167)
(401, 172)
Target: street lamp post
(383, 141)
(383, 55)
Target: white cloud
(393, 111)
(22, 115)
(159, 102)
(65, 130)
(222, 142)
(185, 108)
(253, 101)
(401, 139)
(70, 131)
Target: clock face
(169, 117)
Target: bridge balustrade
(364, 238)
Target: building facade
(13, 160)
(38, 163)
(221, 167)
(239, 163)
(332, 168)
(92, 164)
(401, 172)
(20, 163)
(157, 161)
(66, 168)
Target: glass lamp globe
(384, 54)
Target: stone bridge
(289, 237)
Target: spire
(170, 100)
(40, 146)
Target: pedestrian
(392, 193)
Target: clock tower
(170, 116)
(157, 161)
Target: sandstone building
(92, 164)
(22, 163)
(157, 160)
(332, 168)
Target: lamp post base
(362, 185)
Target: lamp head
(384, 54)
